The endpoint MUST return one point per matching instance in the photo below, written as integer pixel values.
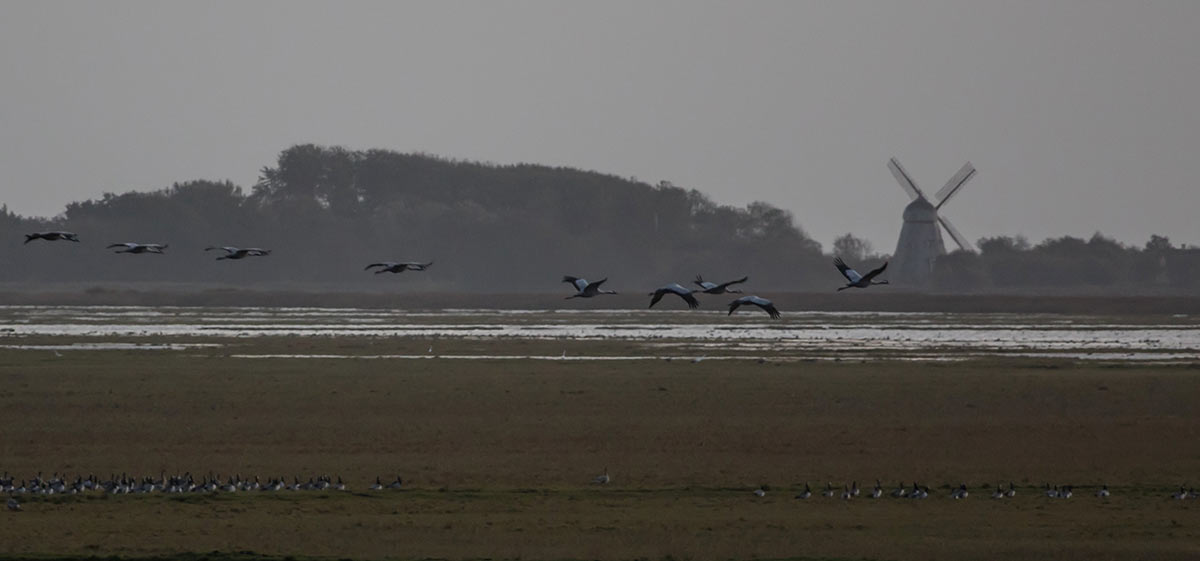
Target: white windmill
(920, 241)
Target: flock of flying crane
(583, 288)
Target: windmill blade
(905, 180)
(964, 174)
(959, 239)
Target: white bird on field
(132, 247)
(676, 289)
(394, 267)
(239, 252)
(713, 288)
(857, 280)
(52, 236)
(999, 493)
(760, 492)
(806, 493)
(378, 486)
(604, 478)
(585, 289)
(1103, 492)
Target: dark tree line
(328, 211)
(1069, 264)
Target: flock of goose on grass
(583, 288)
(216, 484)
(916, 491)
(125, 484)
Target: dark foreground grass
(497, 456)
(251, 556)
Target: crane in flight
(585, 289)
(713, 288)
(676, 289)
(394, 267)
(856, 280)
(239, 252)
(52, 236)
(766, 305)
(132, 247)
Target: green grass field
(498, 455)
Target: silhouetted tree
(851, 248)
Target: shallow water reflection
(810, 334)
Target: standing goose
(397, 483)
(378, 486)
(999, 493)
(676, 289)
(585, 289)
(131, 247)
(712, 288)
(856, 280)
(52, 236)
(806, 493)
(239, 252)
(766, 305)
(1103, 492)
(877, 492)
(394, 267)
(603, 478)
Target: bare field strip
(497, 455)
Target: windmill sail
(964, 174)
(959, 239)
(905, 180)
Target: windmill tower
(920, 241)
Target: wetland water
(655, 334)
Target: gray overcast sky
(1080, 115)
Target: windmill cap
(920, 210)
